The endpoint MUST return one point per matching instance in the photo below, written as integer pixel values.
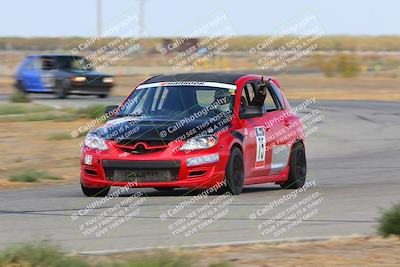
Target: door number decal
(260, 146)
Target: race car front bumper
(89, 90)
(99, 171)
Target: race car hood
(161, 129)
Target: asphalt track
(353, 158)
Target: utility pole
(141, 18)
(98, 17)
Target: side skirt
(271, 178)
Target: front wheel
(95, 192)
(60, 91)
(297, 168)
(102, 96)
(234, 173)
(20, 87)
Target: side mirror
(251, 112)
(111, 111)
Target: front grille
(141, 147)
(141, 171)
(133, 142)
(140, 150)
(94, 81)
(141, 175)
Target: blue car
(61, 75)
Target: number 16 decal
(260, 146)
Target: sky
(162, 18)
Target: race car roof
(219, 77)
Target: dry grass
(357, 251)
(334, 42)
(27, 145)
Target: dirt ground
(362, 88)
(21, 151)
(294, 86)
(357, 251)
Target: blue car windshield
(172, 102)
(73, 63)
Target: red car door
(254, 132)
(279, 133)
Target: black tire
(234, 173)
(102, 96)
(20, 87)
(60, 91)
(297, 167)
(164, 189)
(95, 192)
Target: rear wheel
(95, 192)
(234, 173)
(297, 168)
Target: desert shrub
(162, 259)
(389, 222)
(60, 136)
(20, 97)
(93, 111)
(44, 255)
(12, 109)
(38, 255)
(348, 66)
(329, 68)
(30, 176)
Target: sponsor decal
(88, 159)
(231, 87)
(260, 146)
(182, 83)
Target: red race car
(197, 130)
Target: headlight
(95, 142)
(78, 79)
(108, 80)
(200, 142)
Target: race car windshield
(74, 63)
(178, 102)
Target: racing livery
(61, 75)
(197, 130)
